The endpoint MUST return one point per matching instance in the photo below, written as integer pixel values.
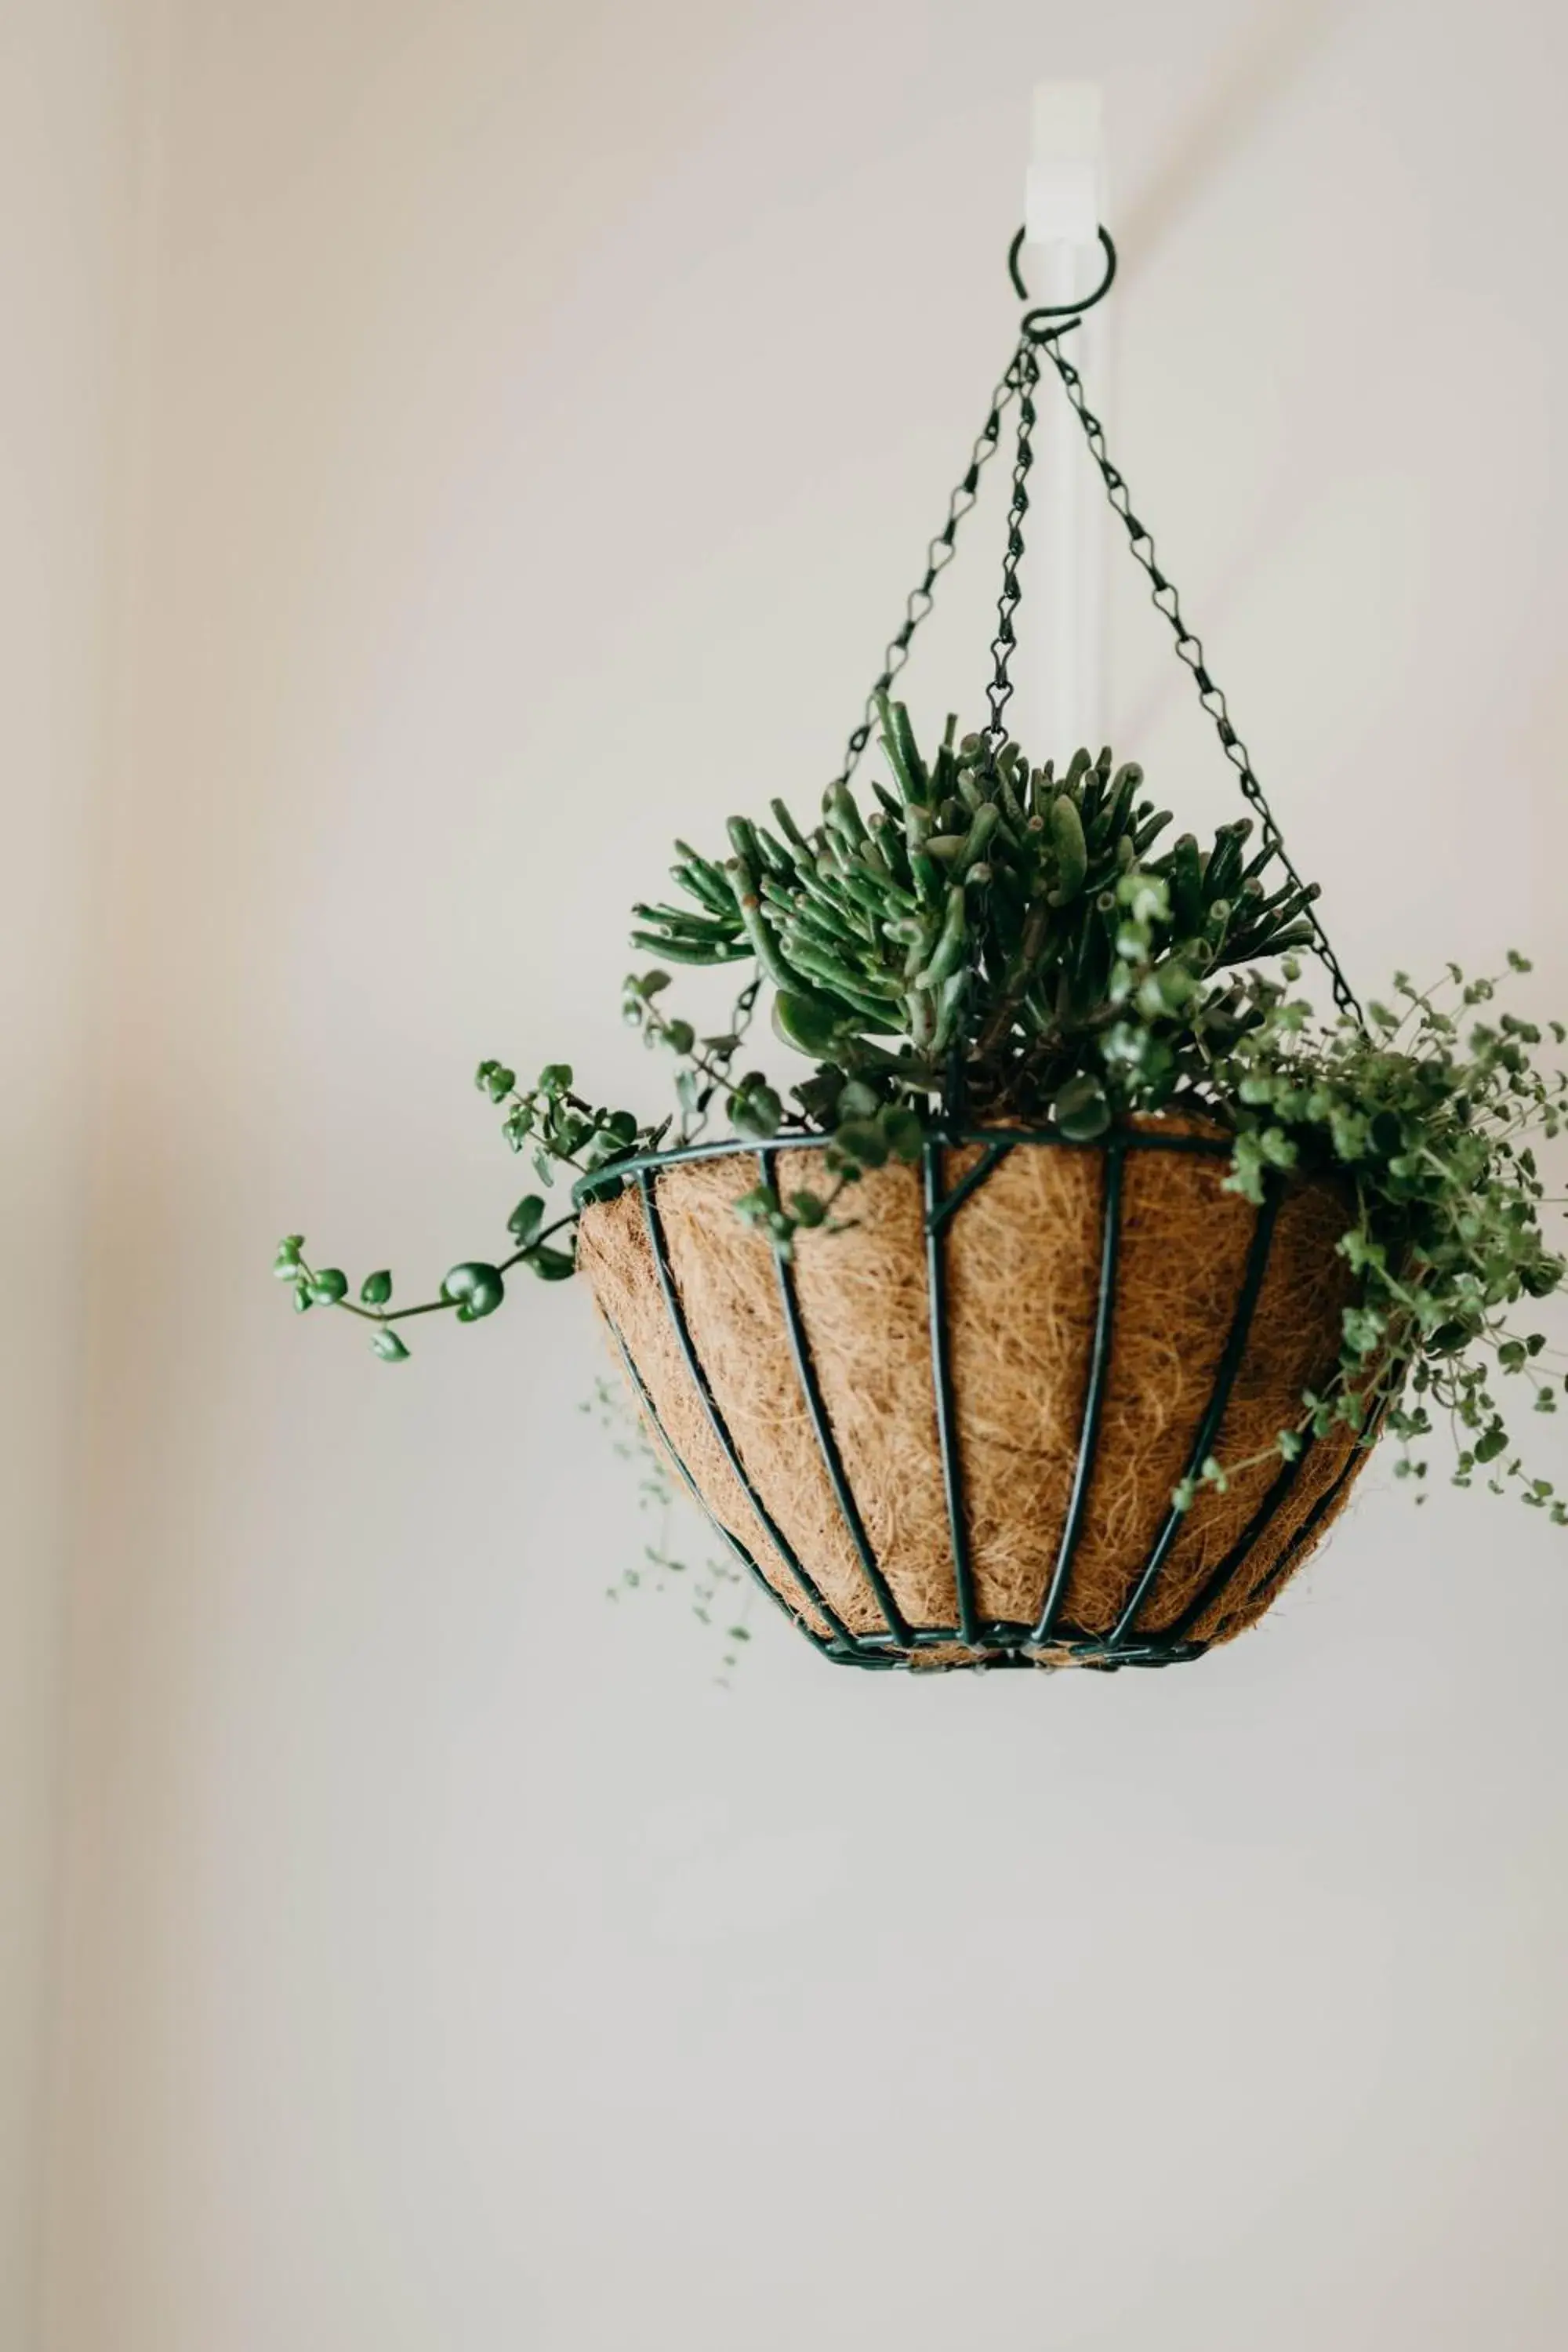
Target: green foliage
(565, 1131)
(979, 907)
(474, 1289)
(1013, 945)
(470, 1291)
(704, 1071)
(719, 1595)
(1426, 1115)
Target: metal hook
(1043, 311)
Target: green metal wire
(1051, 1638)
(1042, 330)
(981, 1642)
(1094, 1395)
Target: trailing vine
(997, 936)
(719, 1597)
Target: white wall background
(534, 419)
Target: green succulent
(1013, 943)
(977, 911)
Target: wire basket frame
(973, 1642)
(1221, 1600)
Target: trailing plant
(990, 941)
(1427, 1113)
(980, 950)
(721, 1597)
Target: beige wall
(67, 107)
(544, 410)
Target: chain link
(1020, 384)
(1024, 374)
(938, 555)
(1189, 648)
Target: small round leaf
(553, 1265)
(474, 1289)
(1082, 1111)
(527, 1217)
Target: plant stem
(443, 1306)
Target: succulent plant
(1012, 942)
(975, 914)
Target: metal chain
(1024, 374)
(1020, 384)
(1189, 646)
(938, 555)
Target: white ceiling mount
(1064, 190)
(1064, 205)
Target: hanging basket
(954, 1434)
(949, 1436)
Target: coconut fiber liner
(1023, 1265)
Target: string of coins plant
(994, 939)
(719, 1595)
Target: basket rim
(1122, 1136)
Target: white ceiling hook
(1064, 207)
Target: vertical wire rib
(941, 1383)
(1094, 1395)
(1219, 1397)
(1215, 1588)
(827, 1444)
(690, 1482)
(1284, 1566)
(716, 1421)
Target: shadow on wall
(1229, 115)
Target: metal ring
(1058, 309)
